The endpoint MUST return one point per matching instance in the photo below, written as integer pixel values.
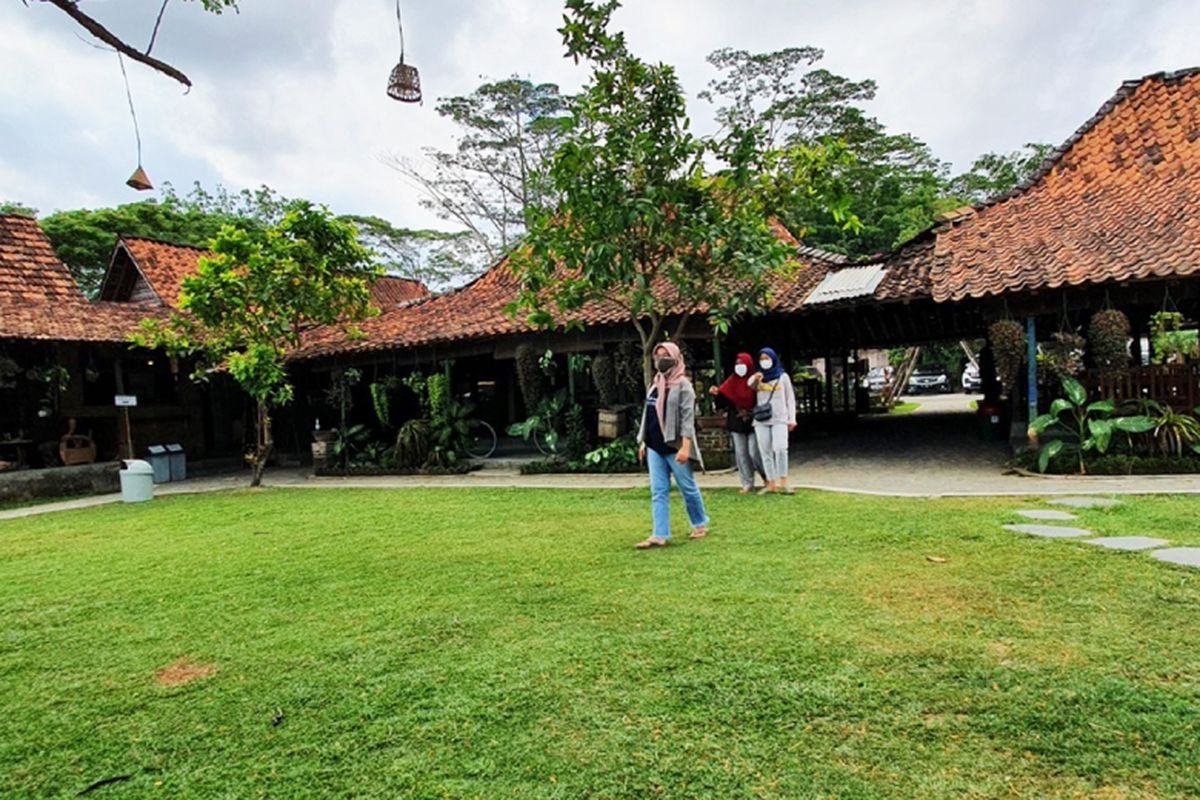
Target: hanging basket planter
(405, 84)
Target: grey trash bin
(178, 460)
(160, 462)
(137, 482)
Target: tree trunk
(263, 444)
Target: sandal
(766, 490)
(698, 533)
(652, 542)
(746, 490)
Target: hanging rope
(132, 113)
(157, 22)
(400, 27)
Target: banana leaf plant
(1083, 427)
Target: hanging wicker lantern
(405, 84)
(139, 180)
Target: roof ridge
(18, 215)
(1127, 88)
(127, 236)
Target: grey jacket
(679, 419)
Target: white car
(971, 382)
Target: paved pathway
(934, 452)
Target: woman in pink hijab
(667, 443)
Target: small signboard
(125, 401)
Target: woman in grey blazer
(667, 443)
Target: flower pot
(324, 436)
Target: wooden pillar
(1031, 367)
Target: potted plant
(610, 418)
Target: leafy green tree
(508, 131)
(994, 174)
(642, 219)
(246, 306)
(10, 207)
(895, 184)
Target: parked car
(971, 382)
(929, 379)
(877, 379)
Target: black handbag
(762, 412)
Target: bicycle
(480, 440)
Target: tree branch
(105, 35)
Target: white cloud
(291, 92)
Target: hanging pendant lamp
(404, 84)
(139, 179)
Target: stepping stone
(1184, 556)
(1046, 514)
(1049, 531)
(1085, 502)
(1127, 542)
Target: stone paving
(1046, 514)
(1049, 531)
(1182, 556)
(1127, 542)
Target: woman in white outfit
(774, 419)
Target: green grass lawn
(904, 408)
(461, 643)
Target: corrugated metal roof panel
(847, 283)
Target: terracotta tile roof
(39, 299)
(79, 321)
(1120, 200)
(391, 290)
(163, 264)
(30, 270)
(477, 311)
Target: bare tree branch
(109, 38)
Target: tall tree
(436, 258)
(245, 307)
(994, 174)
(643, 219)
(895, 183)
(96, 29)
(508, 131)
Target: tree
(436, 258)
(642, 220)
(993, 174)
(895, 183)
(97, 30)
(509, 130)
(246, 306)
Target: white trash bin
(137, 482)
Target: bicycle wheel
(481, 440)
(542, 440)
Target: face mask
(741, 370)
(765, 363)
(664, 364)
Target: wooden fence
(1174, 385)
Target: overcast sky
(290, 93)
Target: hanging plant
(1008, 349)
(1108, 339)
(628, 364)
(1063, 358)
(529, 378)
(9, 370)
(1172, 343)
(604, 376)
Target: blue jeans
(661, 470)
